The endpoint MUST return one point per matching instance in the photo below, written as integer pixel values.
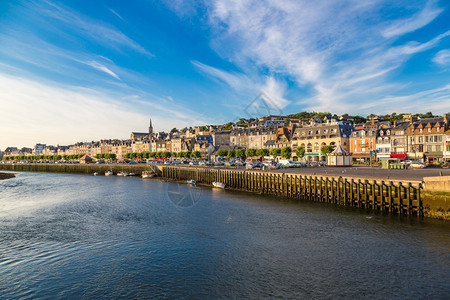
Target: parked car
(418, 165)
(239, 163)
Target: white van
(286, 163)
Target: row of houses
(418, 139)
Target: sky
(77, 71)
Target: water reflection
(84, 236)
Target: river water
(79, 236)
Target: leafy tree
(262, 152)
(222, 153)
(300, 152)
(275, 152)
(196, 154)
(286, 152)
(173, 130)
(241, 153)
(111, 156)
(327, 149)
(231, 153)
(188, 154)
(228, 126)
(359, 119)
(251, 152)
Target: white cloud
(275, 91)
(36, 112)
(237, 81)
(102, 68)
(116, 14)
(96, 31)
(332, 49)
(419, 20)
(442, 57)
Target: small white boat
(147, 174)
(109, 173)
(122, 174)
(131, 174)
(191, 181)
(218, 185)
(95, 173)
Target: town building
(426, 139)
(363, 144)
(317, 134)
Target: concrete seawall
(436, 197)
(429, 198)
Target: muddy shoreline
(6, 175)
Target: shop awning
(400, 156)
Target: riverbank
(429, 198)
(6, 175)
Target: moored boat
(147, 174)
(218, 184)
(191, 181)
(131, 174)
(109, 173)
(95, 173)
(122, 174)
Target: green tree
(188, 154)
(327, 149)
(196, 154)
(300, 152)
(111, 156)
(250, 152)
(275, 152)
(231, 153)
(222, 153)
(173, 130)
(262, 152)
(286, 152)
(241, 153)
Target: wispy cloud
(116, 14)
(237, 81)
(28, 119)
(442, 57)
(102, 68)
(419, 20)
(341, 52)
(94, 30)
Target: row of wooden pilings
(400, 198)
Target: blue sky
(85, 70)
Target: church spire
(150, 128)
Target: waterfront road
(359, 172)
(364, 172)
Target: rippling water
(64, 236)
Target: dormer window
(420, 130)
(437, 129)
(429, 129)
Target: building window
(429, 129)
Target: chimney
(373, 120)
(446, 119)
(395, 123)
(410, 119)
